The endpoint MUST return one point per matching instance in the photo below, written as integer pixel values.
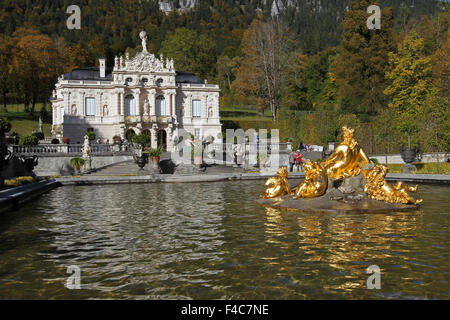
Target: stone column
(152, 101)
(137, 97)
(154, 136)
(169, 132)
(83, 104)
(172, 102)
(117, 103)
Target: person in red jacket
(298, 160)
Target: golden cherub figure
(315, 183)
(377, 188)
(348, 158)
(277, 186)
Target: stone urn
(141, 160)
(408, 156)
(29, 162)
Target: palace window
(196, 109)
(130, 106)
(62, 115)
(90, 106)
(159, 82)
(160, 106)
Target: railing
(71, 149)
(253, 148)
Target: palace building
(143, 94)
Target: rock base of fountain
(335, 201)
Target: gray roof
(187, 77)
(93, 74)
(88, 73)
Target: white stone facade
(144, 94)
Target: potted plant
(77, 163)
(65, 140)
(116, 139)
(155, 154)
(262, 159)
(91, 135)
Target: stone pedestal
(87, 164)
(409, 168)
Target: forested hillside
(325, 65)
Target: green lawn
(23, 122)
(424, 168)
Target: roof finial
(143, 36)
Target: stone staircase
(127, 168)
(121, 169)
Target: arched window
(160, 106)
(130, 109)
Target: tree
(6, 45)
(363, 60)
(34, 67)
(264, 47)
(410, 76)
(191, 52)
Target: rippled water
(212, 241)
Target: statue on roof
(143, 36)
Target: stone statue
(87, 154)
(146, 107)
(377, 188)
(143, 36)
(347, 159)
(86, 147)
(277, 186)
(40, 124)
(315, 183)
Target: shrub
(155, 152)
(141, 139)
(39, 135)
(5, 126)
(28, 140)
(19, 181)
(91, 135)
(77, 163)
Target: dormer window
(159, 82)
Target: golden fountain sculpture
(347, 161)
(377, 188)
(277, 186)
(348, 158)
(315, 183)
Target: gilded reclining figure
(277, 186)
(377, 188)
(315, 183)
(348, 158)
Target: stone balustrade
(70, 149)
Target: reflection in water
(198, 241)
